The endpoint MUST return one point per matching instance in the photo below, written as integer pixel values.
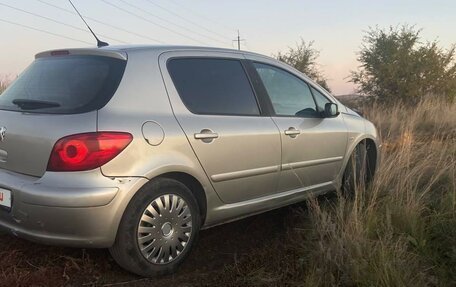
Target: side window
(290, 96)
(213, 86)
(320, 99)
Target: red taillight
(87, 151)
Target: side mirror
(331, 110)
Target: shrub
(303, 58)
(395, 65)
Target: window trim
(246, 72)
(312, 89)
(260, 89)
(266, 94)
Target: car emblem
(2, 134)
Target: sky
(336, 27)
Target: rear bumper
(71, 209)
(80, 227)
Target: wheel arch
(196, 182)
(373, 155)
(195, 187)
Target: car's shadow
(24, 263)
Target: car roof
(122, 49)
(127, 48)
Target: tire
(356, 173)
(163, 219)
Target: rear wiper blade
(26, 104)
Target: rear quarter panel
(140, 98)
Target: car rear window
(64, 85)
(213, 86)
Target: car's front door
(313, 146)
(215, 103)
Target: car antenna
(99, 42)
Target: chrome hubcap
(164, 229)
(167, 229)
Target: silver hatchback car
(138, 148)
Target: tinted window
(213, 86)
(64, 85)
(290, 96)
(320, 99)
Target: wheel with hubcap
(158, 229)
(165, 229)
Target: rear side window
(213, 86)
(64, 85)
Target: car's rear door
(313, 146)
(215, 104)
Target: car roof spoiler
(84, 51)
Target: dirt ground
(27, 264)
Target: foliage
(397, 66)
(304, 57)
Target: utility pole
(239, 40)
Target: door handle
(203, 136)
(206, 135)
(292, 132)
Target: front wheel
(158, 229)
(356, 173)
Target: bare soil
(23, 263)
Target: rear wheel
(158, 229)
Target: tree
(304, 58)
(397, 66)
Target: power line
(55, 21)
(201, 15)
(149, 21)
(185, 19)
(43, 31)
(103, 23)
(170, 22)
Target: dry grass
(431, 118)
(401, 231)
